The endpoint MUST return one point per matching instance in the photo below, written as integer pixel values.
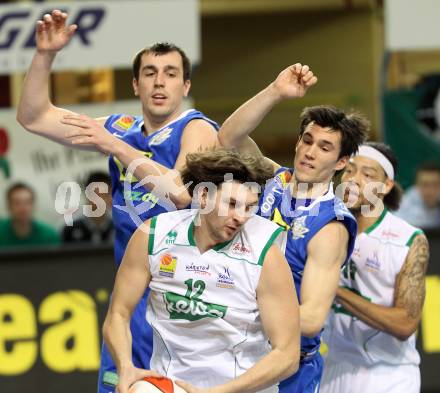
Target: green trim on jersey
(413, 236)
(151, 235)
(219, 246)
(376, 224)
(191, 234)
(268, 244)
(236, 259)
(192, 242)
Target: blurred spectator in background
(20, 229)
(421, 202)
(96, 227)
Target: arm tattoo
(410, 284)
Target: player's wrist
(124, 366)
(115, 147)
(44, 57)
(274, 93)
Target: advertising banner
(109, 32)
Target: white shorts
(342, 377)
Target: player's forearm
(35, 100)
(391, 320)
(117, 336)
(244, 120)
(159, 179)
(274, 367)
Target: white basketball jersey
(203, 307)
(377, 259)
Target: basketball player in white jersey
(221, 288)
(371, 328)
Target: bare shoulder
(198, 133)
(200, 126)
(329, 243)
(334, 229)
(142, 233)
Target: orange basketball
(155, 385)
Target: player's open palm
(52, 33)
(294, 81)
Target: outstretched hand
(294, 81)
(88, 131)
(52, 32)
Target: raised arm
(166, 183)
(326, 253)
(131, 280)
(401, 319)
(292, 82)
(36, 113)
(278, 307)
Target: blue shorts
(306, 379)
(142, 343)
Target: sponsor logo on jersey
(191, 309)
(276, 186)
(167, 266)
(240, 248)
(123, 123)
(299, 228)
(277, 218)
(284, 178)
(201, 270)
(372, 263)
(171, 237)
(225, 279)
(160, 137)
(389, 235)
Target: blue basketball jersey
(303, 219)
(132, 203)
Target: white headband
(376, 155)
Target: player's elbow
(312, 328)
(293, 365)
(291, 369)
(106, 328)
(405, 330)
(225, 139)
(28, 122)
(290, 363)
(311, 331)
(24, 120)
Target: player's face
(316, 155)
(21, 205)
(160, 85)
(234, 204)
(359, 175)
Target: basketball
(155, 385)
